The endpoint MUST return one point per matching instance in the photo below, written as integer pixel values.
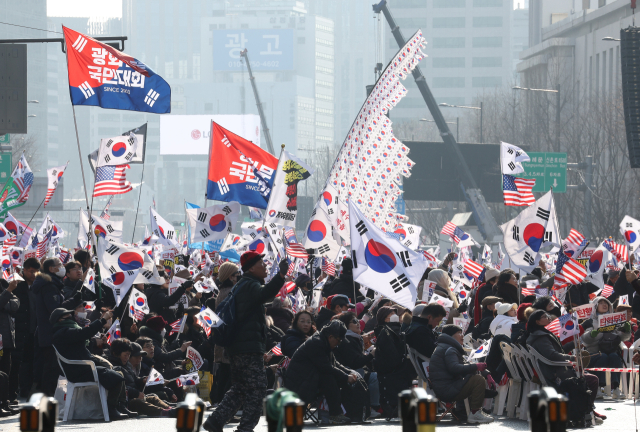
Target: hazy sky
(85, 8)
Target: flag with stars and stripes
(276, 350)
(53, 175)
(328, 266)
(297, 250)
(16, 190)
(105, 213)
(111, 180)
(517, 191)
(574, 244)
(568, 272)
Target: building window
(324, 42)
(487, 42)
(486, 81)
(448, 42)
(324, 125)
(324, 28)
(323, 138)
(448, 62)
(449, 3)
(448, 82)
(324, 83)
(490, 21)
(410, 4)
(324, 70)
(324, 97)
(305, 120)
(324, 55)
(486, 62)
(324, 111)
(449, 22)
(487, 3)
(305, 106)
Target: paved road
(620, 418)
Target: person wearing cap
(155, 329)
(395, 371)
(336, 304)
(481, 331)
(314, 370)
(454, 380)
(246, 351)
(420, 335)
(484, 290)
(160, 301)
(344, 284)
(47, 290)
(71, 341)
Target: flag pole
(206, 184)
(133, 234)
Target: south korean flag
(524, 235)
(116, 257)
(212, 223)
(383, 263)
(165, 232)
(319, 235)
(209, 318)
(117, 150)
(511, 158)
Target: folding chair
(515, 382)
(421, 366)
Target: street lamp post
(457, 123)
(446, 105)
(557, 92)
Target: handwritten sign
(611, 319)
(584, 311)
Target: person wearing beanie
(314, 370)
(505, 318)
(336, 304)
(547, 304)
(246, 351)
(227, 270)
(454, 380)
(155, 329)
(395, 371)
(344, 284)
(420, 334)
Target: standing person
(25, 327)
(47, 289)
(344, 284)
(74, 279)
(9, 304)
(248, 377)
(160, 301)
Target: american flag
(285, 363)
(575, 237)
(452, 231)
(292, 267)
(105, 213)
(554, 327)
(178, 326)
(328, 267)
(136, 314)
(296, 250)
(23, 179)
(276, 350)
(44, 245)
(286, 289)
(474, 269)
(568, 272)
(517, 191)
(65, 255)
(7, 244)
(290, 235)
(607, 291)
(620, 251)
(527, 291)
(574, 243)
(6, 275)
(111, 180)
(431, 260)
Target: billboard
(268, 49)
(189, 134)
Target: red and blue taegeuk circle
(130, 261)
(11, 226)
(217, 223)
(101, 231)
(533, 236)
(272, 213)
(326, 196)
(401, 232)
(257, 245)
(379, 257)
(118, 149)
(207, 320)
(118, 278)
(595, 261)
(569, 325)
(316, 231)
(630, 236)
(15, 255)
(140, 301)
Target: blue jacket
(447, 370)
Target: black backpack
(224, 334)
(578, 406)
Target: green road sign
(5, 166)
(5, 139)
(549, 170)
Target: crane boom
(484, 219)
(263, 119)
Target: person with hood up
(500, 328)
(443, 288)
(47, 290)
(481, 331)
(301, 330)
(280, 311)
(336, 304)
(454, 380)
(395, 371)
(314, 369)
(420, 335)
(483, 291)
(604, 346)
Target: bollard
(39, 415)
(406, 417)
(189, 414)
(418, 410)
(283, 409)
(547, 411)
(294, 415)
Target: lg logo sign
(195, 134)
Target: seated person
(301, 330)
(500, 328)
(452, 379)
(71, 341)
(123, 350)
(195, 334)
(548, 345)
(336, 304)
(603, 346)
(314, 370)
(481, 331)
(144, 369)
(420, 335)
(154, 329)
(280, 311)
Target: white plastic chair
(634, 379)
(515, 383)
(71, 386)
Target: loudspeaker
(630, 68)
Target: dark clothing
(47, 289)
(133, 384)
(508, 293)
(291, 341)
(71, 342)
(71, 288)
(420, 336)
(350, 352)
(23, 314)
(549, 346)
(344, 285)
(274, 336)
(162, 357)
(9, 305)
(323, 318)
(199, 342)
(250, 297)
(447, 370)
(311, 364)
(282, 318)
(484, 290)
(481, 331)
(390, 349)
(160, 301)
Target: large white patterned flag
(120, 283)
(165, 232)
(154, 378)
(188, 379)
(53, 175)
(282, 208)
(116, 257)
(408, 235)
(630, 230)
(337, 211)
(214, 222)
(597, 264)
(511, 158)
(383, 263)
(523, 236)
(117, 150)
(114, 332)
(138, 300)
(89, 281)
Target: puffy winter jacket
(47, 290)
(291, 341)
(420, 336)
(350, 352)
(549, 346)
(282, 318)
(9, 305)
(447, 370)
(591, 344)
(390, 349)
(160, 301)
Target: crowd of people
(348, 357)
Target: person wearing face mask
(395, 371)
(47, 289)
(80, 315)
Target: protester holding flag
(420, 334)
(195, 334)
(345, 284)
(9, 305)
(74, 279)
(71, 341)
(160, 301)
(155, 329)
(248, 378)
(47, 290)
(453, 379)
